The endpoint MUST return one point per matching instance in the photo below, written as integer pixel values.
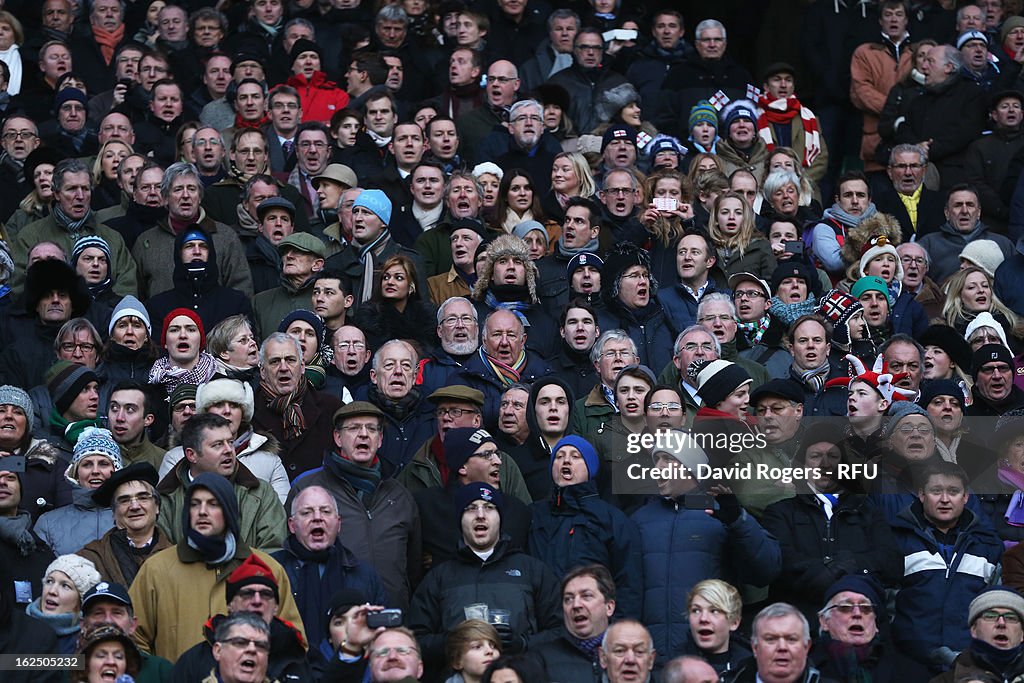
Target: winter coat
(261, 517)
(43, 484)
(817, 551)
(569, 663)
(319, 97)
(507, 579)
(987, 165)
(945, 245)
(260, 456)
(19, 634)
(692, 80)
(477, 375)
(752, 161)
(1009, 281)
(113, 555)
(585, 86)
(120, 363)
(264, 263)
(757, 258)
(967, 667)
(650, 69)
(402, 437)
(575, 369)
(24, 572)
(591, 412)
(347, 261)
(144, 451)
(381, 322)
(435, 371)
(175, 593)
(747, 673)
(648, 327)
(941, 576)
(220, 201)
(575, 527)
(682, 547)
(68, 529)
(272, 306)
(875, 68)
(930, 210)
(446, 285)
(381, 528)
(153, 252)
(679, 305)
(304, 452)
(422, 472)
(907, 316)
(135, 220)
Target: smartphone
(13, 463)
(388, 618)
(795, 247)
(698, 501)
(666, 203)
(622, 34)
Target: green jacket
(47, 230)
(263, 521)
(422, 473)
(590, 412)
(435, 247)
(146, 451)
(270, 307)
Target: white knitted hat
(985, 254)
(81, 571)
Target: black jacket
(693, 80)
(584, 87)
(930, 209)
(566, 663)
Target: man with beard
(466, 236)
(526, 145)
(458, 328)
(994, 391)
(349, 373)
(581, 233)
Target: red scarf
(242, 124)
(108, 41)
(778, 111)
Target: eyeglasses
(454, 413)
(242, 643)
(637, 276)
(71, 347)
(665, 406)
(624, 353)
(250, 593)
(489, 455)
(346, 345)
(914, 260)
(691, 347)
(527, 117)
(140, 498)
(617, 191)
(19, 135)
(401, 651)
(355, 429)
(994, 616)
(906, 167)
(182, 407)
(723, 318)
(848, 607)
(453, 320)
(748, 294)
(500, 79)
(907, 430)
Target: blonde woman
(570, 177)
(740, 248)
(12, 36)
(968, 293)
(106, 191)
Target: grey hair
(778, 610)
(250, 619)
(777, 180)
(179, 169)
(394, 342)
(68, 166)
(677, 345)
(523, 104)
(927, 256)
(120, 8)
(621, 622)
(449, 301)
(464, 175)
(305, 23)
(392, 13)
(73, 327)
(295, 500)
(611, 335)
(716, 298)
(906, 148)
(709, 23)
(634, 182)
(280, 338)
(563, 14)
(960, 12)
(674, 673)
(903, 338)
(195, 136)
(950, 55)
(517, 386)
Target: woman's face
(538, 244)
(520, 195)
(669, 187)
(336, 631)
(394, 284)
(346, 132)
(6, 35)
(630, 114)
(781, 162)
(243, 351)
(976, 295)
(564, 178)
(491, 186)
(884, 266)
(153, 13)
(1014, 454)
(306, 335)
(43, 180)
(937, 363)
(113, 153)
(706, 163)
(786, 199)
(920, 63)
(710, 626)
(130, 332)
(983, 335)
(552, 116)
(736, 403)
(106, 662)
(59, 594)
(229, 410)
(730, 216)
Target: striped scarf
(516, 307)
(289, 407)
(754, 330)
(815, 377)
(366, 257)
(508, 374)
(66, 222)
(778, 111)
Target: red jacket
(320, 97)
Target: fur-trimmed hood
(506, 245)
(879, 224)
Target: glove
(510, 642)
(728, 509)
(942, 656)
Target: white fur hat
(225, 389)
(81, 571)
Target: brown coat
(101, 553)
(873, 73)
(445, 286)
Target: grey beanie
(16, 396)
(995, 597)
(899, 410)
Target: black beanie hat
(950, 341)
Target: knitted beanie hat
(586, 450)
(252, 571)
(376, 202)
(128, 306)
(717, 379)
(994, 598)
(985, 319)
(461, 443)
(81, 571)
(16, 396)
(93, 242)
(94, 441)
(65, 381)
(188, 313)
(702, 112)
(474, 491)
(897, 411)
(984, 254)
(876, 246)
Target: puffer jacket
(320, 97)
(70, 528)
(682, 547)
(575, 527)
(260, 456)
(940, 578)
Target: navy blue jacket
(649, 328)
(679, 305)
(907, 316)
(479, 376)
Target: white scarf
(12, 58)
(427, 218)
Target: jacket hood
(204, 280)
(223, 491)
(531, 404)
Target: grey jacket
(70, 528)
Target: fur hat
(224, 389)
(610, 102)
(985, 254)
(717, 379)
(623, 256)
(876, 246)
(506, 245)
(81, 571)
(551, 93)
(49, 275)
(11, 395)
(859, 236)
(950, 341)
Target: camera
(388, 618)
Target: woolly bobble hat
(703, 112)
(474, 491)
(94, 441)
(950, 341)
(984, 254)
(736, 110)
(665, 143)
(191, 315)
(376, 202)
(130, 306)
(717, 379)
(65, 381)
(461, 443)
(968, 36)
(93, 242)
(875, 247)
(584, 447)
(224, 389)
(870, 283)
(985, 319)
(994, 598)
(899, 410)
(16, 396)
(253, 571)
(81, 571)
(684, 448)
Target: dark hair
(661, 387)
(589, 204)
(942, 468)
(598, 572)
(963, 187)
(709, 243)
(195, 428)
(810, 317)
(409, 266)
(307, 126)
(373, 64)
(501, 206)
(439, 118)
(528, 669)
(576, 303)
(344, 283)
(851, 176)
(148, 404)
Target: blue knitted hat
(377, 202)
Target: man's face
(972, 18)
(810, 345)
(207, 33)
(853, 197)
(395, 372)
(995, 381)
(850, 619)
(903, 357)
(127, 416)
(994, 627)
(250, 102)
(461, 70)
(464, 243)
(329, 300)
(443, 140)
(366, 225)
(469, 416)
(552, 410)
(216, 452)
(391, 33)
(864, 402)
(619, 196)
(86, 405)
(711, 44)
(780, 648)
(295, 32)
(458, 330)
(55, 62)
(894, 22)
(468, 34)
(283, 366)
(243, 656)
(127, 64)
(562, 34)
(407, 145)
(20, 137)
(588, 50)
(975, 54)
(481, 525)
(913, 439)
(504, 338)
(71, 116)
(76, 194)
(577, 231)
(315, 520)
(104, 611)
(80, 347)
(427, 186)
(963, 210)
(248, 69)
(937, 68)
(665, 410)
(876, 307)
(166, 103)
(527, 126)
(380, 117)
(717, 319)
(627, 654)
(92, 266)
(780, 85)
(306, 64)
(286, 112)
(359, 437)
(586, 280)
(256, 599)
(314, 151)
(135, 507)
(276, 225)
(205, 513)
(513, 8)
(388, 665)
(696, 344)
(106, 14)
(580, 330)
(667, 31)
(779, 417)
(1007, 114)
(173, 24)
(183, 198)
(57, 15)
(299, 264)
(54, 307)
(350, 352)
(619, 153)
(585, 610)
(151, 70)
(512, 413)
(217, 75)
(463, 199)
(615, 355)
(116, 126)
(915, 264)
(944, 499)
(396, 72)
(502, 84)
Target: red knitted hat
(188, 313)
(252, 571)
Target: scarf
(366, 255)
(242, 124)
(215, 551)
(853, 662)
(289, 407)
(713, 149)
(588, 646)
(72, 430)
(517, 307)
(271, 30)
(1015, 510)
(400, 408)
(849, 220)
(427, 218)
(130, 557)
(790, 313)
(17, 531)
(247, 225)
(508, 374)
(781, 112)
(164, 373)
(815, 377)
(64, 624)
(379, 140)
(992, 658)
(364, 480)
(512, 219)
(108, 41)
(754, 330)
(592, 246)
(71, 226)
(12, 58)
